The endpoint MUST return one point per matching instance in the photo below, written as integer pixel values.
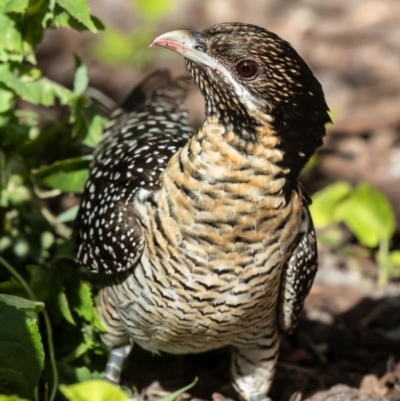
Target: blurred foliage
(368, 215)
(40, 158)
(116, 47)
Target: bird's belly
(162, 314)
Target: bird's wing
(138, 142)
(298, 273)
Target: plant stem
(52, 357)
(47, 323)
(19, 278)
(383, 261)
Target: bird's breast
(216, 240)
(180, 307)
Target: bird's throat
(215, 160)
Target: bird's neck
(257, 149)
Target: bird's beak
(190, 45)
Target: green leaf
(71, 374)
(11, 45)
(395, 258)
(97, 323)
(80, 350)
(50, 91)
(40, 91)
(93, 390)
(22, 304)
(62, 19)
(95, 131)
(392, 265)
(368, 214)
(40, 281)
(81, 301)
(154, 9)
(6, 100)
(88, 125)
(81, 79)
(63, 304)
(80, 11)
(14, 6)
(11, 398)
(172, 396)
(21, 352)
(67, 175)
(47, 239)
(84, 306)
(332, 116)
(325, 202)
(311, 164)
(37, 7)
(68, 215)
(332, 236)
(65, 250)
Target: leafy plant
(39, 159)
(367, 213)
(49, 329)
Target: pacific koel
(204, 237)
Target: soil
(347, 344)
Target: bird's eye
(199, 48)
(247, 69)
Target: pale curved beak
(190, 45)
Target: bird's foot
(112, 373)
(257, 396)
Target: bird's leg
(115, 338)
(115, 362)
(253, 368)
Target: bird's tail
(157, 86)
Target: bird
(204, 237)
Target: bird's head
(252, 79)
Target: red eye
(247, 69)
